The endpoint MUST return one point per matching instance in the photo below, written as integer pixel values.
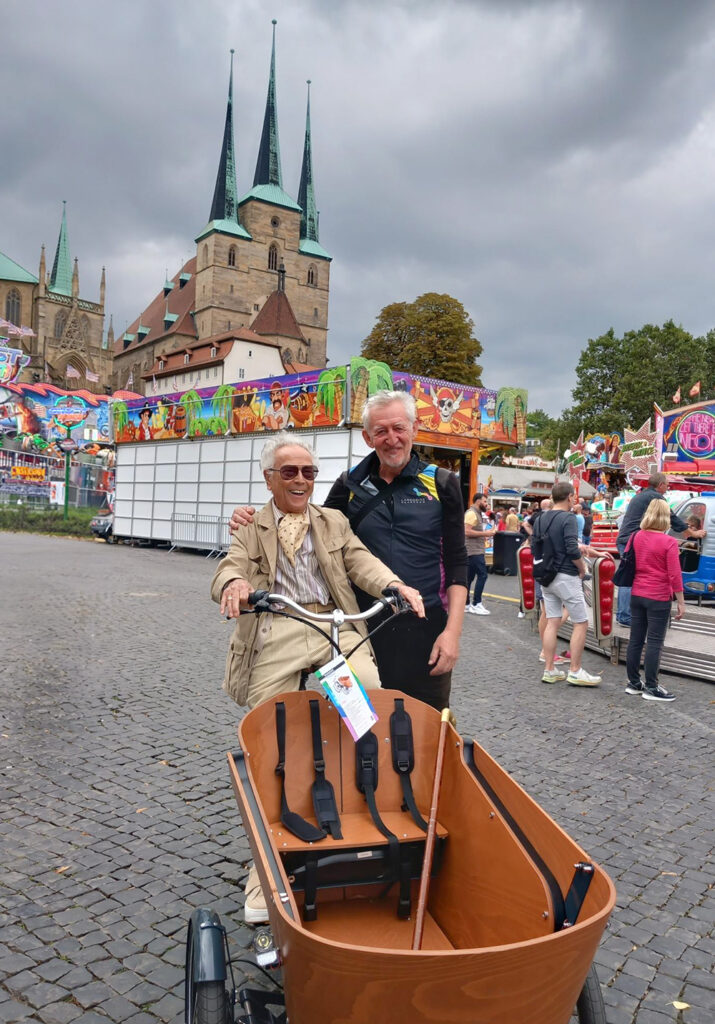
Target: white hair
(383, 398)
(284, 440)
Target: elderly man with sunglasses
(308, 553)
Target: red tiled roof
(300, 367)
(181, 303)
(277, 318)
(199, 352)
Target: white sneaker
(521, 615)
(254, 909)
(472, 609)
(481, 610)
(582, 678)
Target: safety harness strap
(403, 758)
(366, 754)
(326, 810)
(292, 821)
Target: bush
(21, 519)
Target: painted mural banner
(317, 399)
(306, 400)
(688, 440)
(444, 407)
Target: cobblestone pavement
(118, 818)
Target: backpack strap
(292, 821)
(373, 501)
(403, 758)
(326, 810)
(366, 760)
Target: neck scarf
(292, 528)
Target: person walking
(565, 590)
(476, 530)
(657, 486)
(658, 577)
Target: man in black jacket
(637, 507)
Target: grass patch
(19, 519)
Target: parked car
(102, 525)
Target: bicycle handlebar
(262, 601)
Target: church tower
(68, 348)
(246, 242)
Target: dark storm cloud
(548, 163)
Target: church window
(315, 312)
(161, 364)
(312, 276)
(232, 256)
(256, 307)
(186, 358)
(231, 289)
(213, 349)
(60, 322)
(84, 327)
(206, 255)
(275, 222)
(229, 326)
(273, 258)
(12, 307)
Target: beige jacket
(252, 556)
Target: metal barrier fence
(204, 533)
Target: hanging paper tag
(347, 694)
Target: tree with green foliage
(618, 379)
(430, 337)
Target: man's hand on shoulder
(242, 515)
(444, 654)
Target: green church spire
(268, 165)
(223, 206)
(224, 211)
(306, 189)
(61, 276)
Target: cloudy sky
(549, 163)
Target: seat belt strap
(403, 758)
(366, 760)
(326, 810)
(292, 821)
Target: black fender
(206, 946)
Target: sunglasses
(291, 472)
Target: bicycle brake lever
(400, 604)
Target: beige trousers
(290, 647)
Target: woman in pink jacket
(658, 578)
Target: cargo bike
(408, 878)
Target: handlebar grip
(399, 602)
(257, 596)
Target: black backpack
(542, 550)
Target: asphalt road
(117, 817)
